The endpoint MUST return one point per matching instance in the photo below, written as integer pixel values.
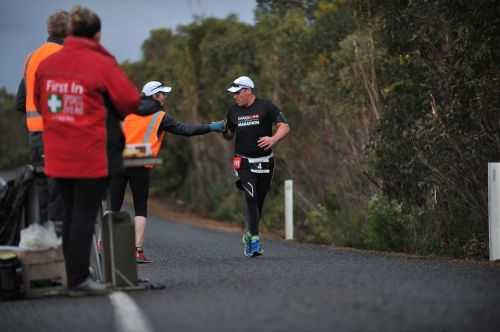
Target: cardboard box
(44, 272)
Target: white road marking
(128, 316)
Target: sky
(125, 25)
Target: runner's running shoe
(255, 247)
(247, 238)
(140, 258)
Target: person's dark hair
(58, 24)
(84, 22)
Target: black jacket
(148, 106)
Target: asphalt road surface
(211, 286)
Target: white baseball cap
(242, 82)
(153, 87)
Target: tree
(14, 149)
(439, 126)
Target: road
(210, 286)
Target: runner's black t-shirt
(251, 123)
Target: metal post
(109, 220)
(288, 209)
(494, 209)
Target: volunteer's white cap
(242, 82)
(153, 87)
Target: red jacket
(82, 93)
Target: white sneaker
(88, 287)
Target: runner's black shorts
(253, 183)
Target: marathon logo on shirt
(248, 120)
(64, 99)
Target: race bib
(261, 167)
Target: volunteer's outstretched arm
(169, 124)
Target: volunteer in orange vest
(147, 133)
(50, 201)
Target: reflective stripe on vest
(33, 118)
(144, 130)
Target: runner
(251, 121)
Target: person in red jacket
(82, 94)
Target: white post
(494, 209)
(288, 209)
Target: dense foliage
(392, 104)
(13, 138)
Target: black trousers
(50, 201)
(55, 204)
(255, 186)
(138, 179)
(81, 198)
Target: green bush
(230, 208)
(14, 148)
(319, 227)
(274, 211)
(333, 223)
(387, 225)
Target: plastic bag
(39, 237)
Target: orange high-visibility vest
(144, 130)
(33, 118)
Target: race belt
(257, 165)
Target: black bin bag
(13, 197)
